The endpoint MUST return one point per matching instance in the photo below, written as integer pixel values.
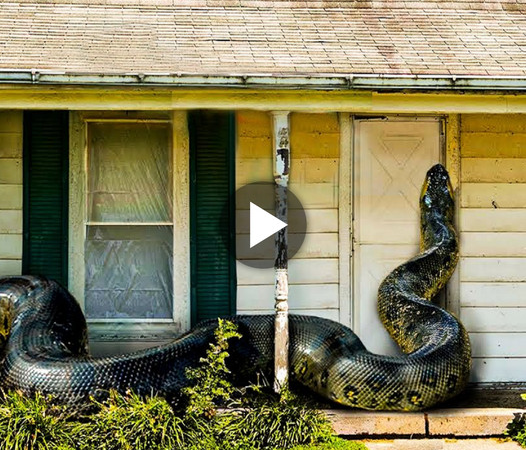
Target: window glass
(129, 233)
(129, 272)
(129, 172)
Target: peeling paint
(282, 286)
(281, 177)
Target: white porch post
(281, 146)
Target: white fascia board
(262, 81)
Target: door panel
(374, 263)
(391, 160)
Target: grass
(335, 444)
(33, 423)
(130, 423)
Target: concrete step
(455, 422)
(441, 444)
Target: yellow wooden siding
(313, 273)
(10, 192)
(493, 243)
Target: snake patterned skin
(43, 338)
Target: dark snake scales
(43, 337)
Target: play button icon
(262, 224)
(257, 224)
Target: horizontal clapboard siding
(11, 137)
(498, 370)
(311, 195)
(301, 271)
(493, 244)
(332, 314)
(11, 197)
(315, 245)
(493, 219)
(494, 320)
(493, 195)
(314, 270)
(488, 144)
(493, 294)
(498, 345)
(494, 170)
(300, 296)
(316, 170)
(493, 270)
(318, 220)
(11, 245)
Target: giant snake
(43, 337)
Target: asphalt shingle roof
(478, 38)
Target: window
(128, 248)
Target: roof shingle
(214, 37)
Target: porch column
(281, 146)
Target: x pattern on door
(392, 160)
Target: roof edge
(267, 81)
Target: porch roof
(481, 39)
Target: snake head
(437, 192)
(6, 320)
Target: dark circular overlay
(263, 194)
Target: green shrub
(210, 377)
(264, 422)
(126, 422)
(253, 420)
(284, 421)
(33, 423)
(516, 429)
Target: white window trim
(122, 329)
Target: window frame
(132, 328)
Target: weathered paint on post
(281, 147)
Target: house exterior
(126, 127)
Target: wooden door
(391, 160)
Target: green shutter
(45, 247)
(212, 189)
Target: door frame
(354, 178)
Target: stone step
(456, 422)
(441, 444)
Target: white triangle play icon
(262, 224)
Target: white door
(391, 160)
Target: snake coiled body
(44, 338)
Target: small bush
(253, 420)
(211, 384)
(516, 429)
